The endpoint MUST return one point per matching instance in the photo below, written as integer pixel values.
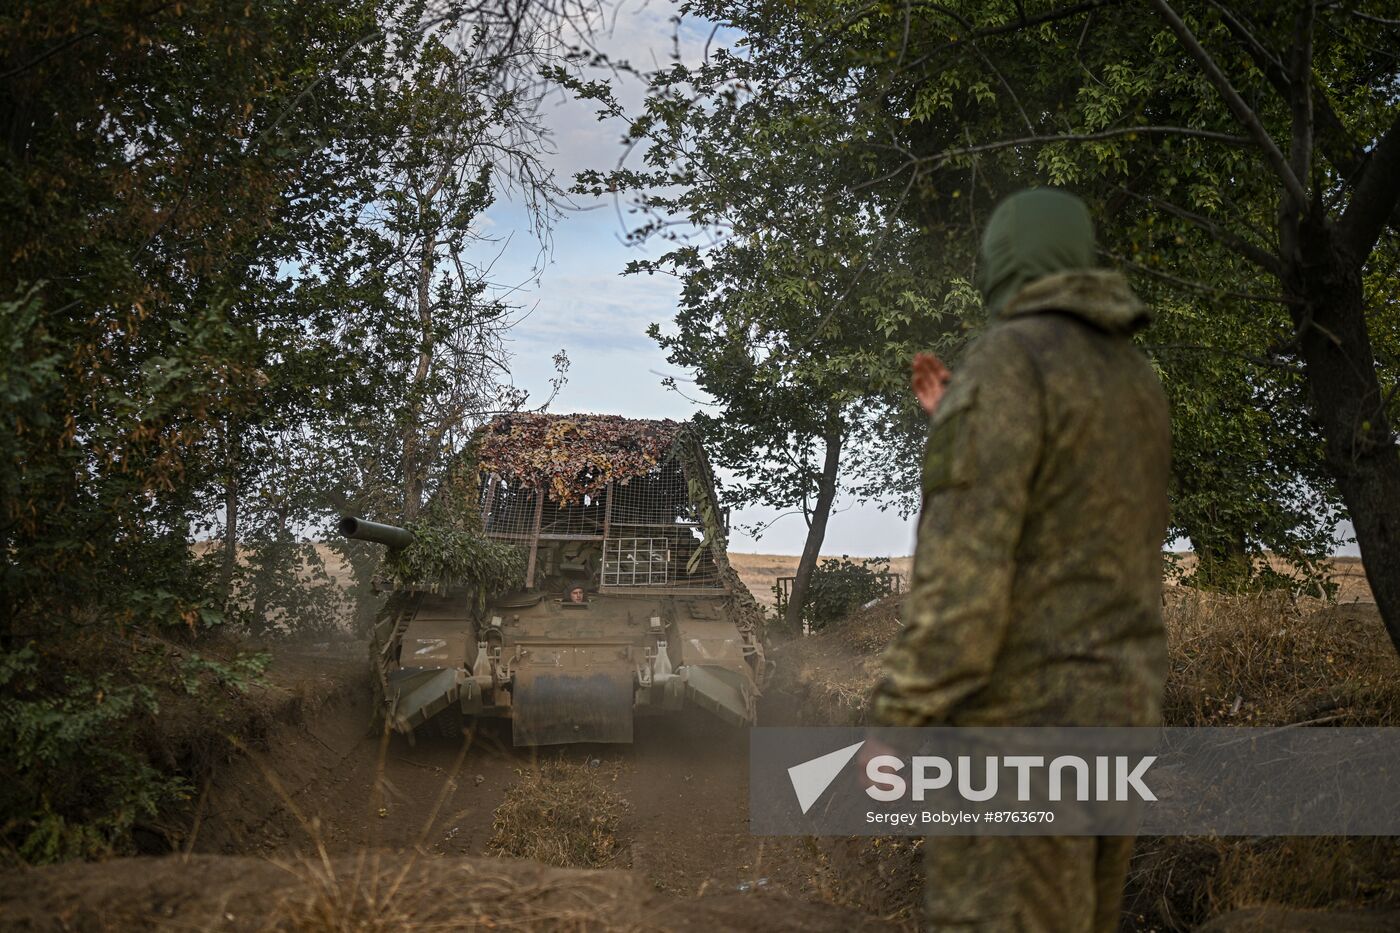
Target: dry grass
(880, 875)
(365, 902)
(1178, 883)
(373, 892)
(1253, 660)
(832, 672)
(1270, 660)
(562, 813)
(384, 894)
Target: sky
(577, 299)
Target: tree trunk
(413, 465)
(816, 529)
(264, 563)
(1350, 406)
(1222, 559)
(231, 492)
(363, 566)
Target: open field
(760, 571)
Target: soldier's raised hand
(930, 378)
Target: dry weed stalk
(447, 895)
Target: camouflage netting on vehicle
(573, 456)
(703, 497)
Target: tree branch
(1300, 98)
(1376, 197)
(1017, 25)
(47, 54)
(1267, 61)
(1213, 290)
(1292, 186)
(986, 60)
(79, 37)
(1284, 365)
(947, 155)
(1330, 134)
(1374, 19)
(1255, 254)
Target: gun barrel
(391, 536)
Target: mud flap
(418, 694)
(716, 690)
(554, 707)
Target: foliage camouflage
(572, 456)
(449, 550)
(703, 491)
(442, 558)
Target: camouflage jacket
(1036, 589)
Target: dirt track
(684, 780)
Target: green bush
(839, 585)
(74, 780)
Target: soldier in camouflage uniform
(1036, 590)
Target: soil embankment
(323, 824)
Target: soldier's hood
(1038, 257)
(1099, 297)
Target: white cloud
(596, 312)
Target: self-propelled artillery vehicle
(629, 605)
